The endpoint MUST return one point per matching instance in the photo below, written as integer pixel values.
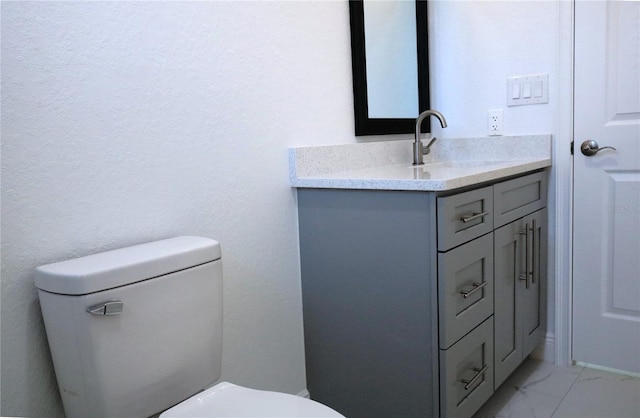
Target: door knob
(590, 148)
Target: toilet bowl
(228, 400)
(137, 331)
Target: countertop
(453, 163)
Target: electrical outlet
(495, 122)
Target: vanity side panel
(368, 279)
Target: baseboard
(607, 369)
(546, 351)
(304, 394)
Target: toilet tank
(134, 331)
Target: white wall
(476, 46)
(124, 122)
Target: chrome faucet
(418, 149)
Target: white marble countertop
(453, 163)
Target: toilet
(137, 331)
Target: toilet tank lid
(123, 266)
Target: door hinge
(571, 147)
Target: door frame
(563, 180)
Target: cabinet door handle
(525, 276)
(471, 381)
(476, 286)
(473, 217)
(533, 251)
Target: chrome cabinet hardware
(533, 251)
(591, 148)
(476, 286)
(471, 381)
(525, 275)
(114, 307)
(529, 254)
(473, 217)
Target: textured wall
(124, 122)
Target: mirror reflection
(390, 64)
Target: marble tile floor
(543, 390)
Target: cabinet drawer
(466, 373)
(516, 198)
(465, 288)
(463, 217)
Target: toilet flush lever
(113, 307)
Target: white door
(606, 257)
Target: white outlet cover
(495, 122)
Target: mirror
(390, 65)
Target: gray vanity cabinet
(411, 300)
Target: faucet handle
(426, 149)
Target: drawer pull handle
(476, 286)
(471, 381)
(473, 217)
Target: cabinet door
(508, 266)
(520, 272)
(533, 300)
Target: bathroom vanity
(420, 298)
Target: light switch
(528, 89)
(537, 88)
(515, 91)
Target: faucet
(418, 149)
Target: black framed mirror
(389, 53)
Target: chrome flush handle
(114, 307)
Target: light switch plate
(528, 89)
